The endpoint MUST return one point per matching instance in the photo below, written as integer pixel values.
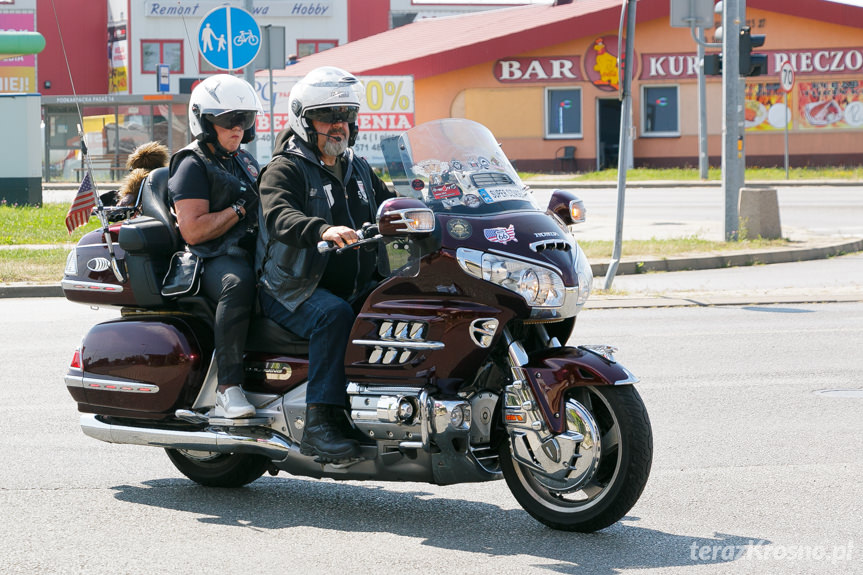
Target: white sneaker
(233, 404)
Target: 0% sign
(389, 95)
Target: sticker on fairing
(442, 191)
(459, 229)
(500, 235)
(492, 195)
(471, 200)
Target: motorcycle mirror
(402, 216)
(567, 206)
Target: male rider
(315, 188)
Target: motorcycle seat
(266, 336)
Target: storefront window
(307, 47)
(155, 52)
(562, 113)
(661, 111)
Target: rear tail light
(76, 359)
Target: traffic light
(713, 64)
(751, 64)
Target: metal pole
(732, 134)
(269, 46)
(703, 160)
(623, 147)
(786, 134)
(249, 76)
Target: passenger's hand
(340, 235)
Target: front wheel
(218, 469)
(620, 474)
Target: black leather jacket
(294, 214)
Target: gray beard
(334, 148)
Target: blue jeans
(326, 321)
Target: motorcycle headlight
(539, 286)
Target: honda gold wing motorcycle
(457, 366)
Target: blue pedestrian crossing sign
(229, 38)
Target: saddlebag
(140, 366)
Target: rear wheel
(620, 475)
(218, 469)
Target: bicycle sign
(229, 38)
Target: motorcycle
(458, 368)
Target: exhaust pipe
(255, 441)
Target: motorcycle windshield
(455, 166)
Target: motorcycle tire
(622, 472)
(218, 469)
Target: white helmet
(334, 93)
(225, 100)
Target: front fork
(550, 433)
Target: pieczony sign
(387, 110)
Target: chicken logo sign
(600, 64)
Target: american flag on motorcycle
(500, 235)
(85, 201)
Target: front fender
(552, 371)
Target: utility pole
(249, 73)
(625, 137)
(703, 157)
(733, 158)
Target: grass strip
(38, 225)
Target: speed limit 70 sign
(786, 77)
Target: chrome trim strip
(72, 285)
(415, 345)
(74, 380)
(123, 386)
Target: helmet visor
(333, 114)
(228, 120)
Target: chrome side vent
(482, 331)
(542, 245)
(398, 342)
(483, 179)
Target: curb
(683, 263)
(31, 290)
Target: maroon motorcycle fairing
(443, 299)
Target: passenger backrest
(156, 203)
(149, 240)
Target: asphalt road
(753, 471)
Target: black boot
(323, 437)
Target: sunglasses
(333, 115)
(228, 120)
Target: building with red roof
(545, 77)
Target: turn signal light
(515, 417)
(577, 211)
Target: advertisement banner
(18, 74)
(764, 107)
(830, 105)
(387, 110)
